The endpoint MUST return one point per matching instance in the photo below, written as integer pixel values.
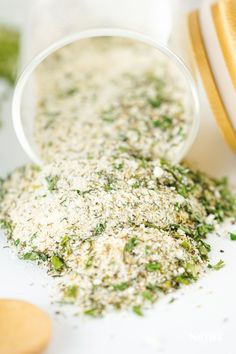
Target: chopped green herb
(149, 224)
(191, 270)
(82, 193)
(99, 229)
(164, 122)
(71, 292)
(7, 226)
(183, 190)
(71, 91)
(143, 162)
(57, 263)
(17, 242)
(122, 286)
(217, 266)
(165, 286)
(204, 229)
(182, 280)
(153, 266)
(43, 256)
(186, 245)
(232, 236)
(30, 256)
(119, 166)
(136, 184)
(65, 241)
(155, 102)
(148, 295)
(148, 250)
(109, 183)
(138, 310)
(131, 244)
(108, 115)
(89, 262)
(52, 182)
(94, 312)
(204, 249)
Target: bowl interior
(97, 57)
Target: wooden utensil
(24, 328)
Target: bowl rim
(92, 33)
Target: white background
(203, 317)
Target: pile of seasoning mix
(113, 223)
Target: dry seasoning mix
(117, 232)
(116, 226)
(108, 93)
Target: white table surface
(201, 320)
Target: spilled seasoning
(113, 223)
(116, 232)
